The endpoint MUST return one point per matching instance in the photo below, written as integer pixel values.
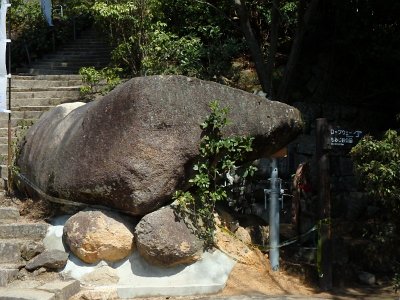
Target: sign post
(324, 252)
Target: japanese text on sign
(343, 137)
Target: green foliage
(218, 157)
(167, 37)
(166, 53)
(127, 25)
(98, 81)
(31, 33)
(377, 162)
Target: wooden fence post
(324, 252)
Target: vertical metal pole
(324, 201)
(9, 156)
(274, 217)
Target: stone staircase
(87, 50)
(20, 238)
(48, 82)
(13, 235)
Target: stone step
(45, 101)
(3, 170)
(77, 55)
(23, 114)
(87, 41)
(85, 47)
(4, 139)
(45, 94)
(45, 89)
(73, 60)
(67, 77)
(43, 84)
(25, 294)
(52, 290)
(8, 215)
(10, 251)
(6, 276)
(4, 131)
(68, 65)
(81, 52)
(15, 122)
(42, 108)
(3, 149)
(32, 71)
(33, 231)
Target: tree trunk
(254, 47)
(273, 47)
(286, 85)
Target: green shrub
(166, 53)
(377, 162)
(98, 81)
(218, 157)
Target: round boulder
(98, 235)
(163, 239)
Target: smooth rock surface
(163, 239)
(98, 235)
(132, 149)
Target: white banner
(47, 11)
(3, 46)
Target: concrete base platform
(137, 278)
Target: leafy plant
(219, 156)
(98, 81)
(166, 53)
(377, 162)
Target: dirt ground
(251, 275)
(261, 280)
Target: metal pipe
(274, 216)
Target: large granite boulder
(163, 239)
(97, 235)
(133, 148)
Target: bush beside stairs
(48, 82)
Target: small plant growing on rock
(219, 156)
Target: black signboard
(345, 138)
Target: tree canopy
(302, 50)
